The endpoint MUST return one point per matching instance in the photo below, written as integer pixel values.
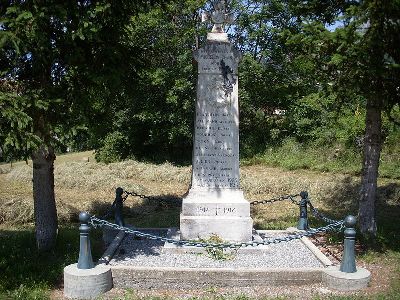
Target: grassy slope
(83, 185)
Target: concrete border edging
(318, 254)
(168, 277)
(109, 253)
(86, 283)
(333, 278)
(314, 249)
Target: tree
(153, 117)
(359, 60)
(357, 64)
(47, 53)
(368, 58)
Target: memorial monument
(215, 204)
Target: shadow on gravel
(158, 212)
(133, 246)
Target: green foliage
(218, 253)
(127, 71)
(156, 113)
(113, 149)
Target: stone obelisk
(215, 204)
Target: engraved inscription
(202, 209)
(214, 158)
(224, 211)
(215, 150)
(217, 211)
(210, 57)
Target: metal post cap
(304, 194)
(119, 190)
(84, 217)
(350, 221)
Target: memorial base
(86, 283)
(333, 278)
(234, 229)
(218, 212)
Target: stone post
(348, 264)
(84, 280)
(119, 204)
(85, 260)
(303, 221)
(347, 277)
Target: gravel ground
(149, 253)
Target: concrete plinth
(86, 283)
(223, 212)
(235, 229)
(333, 278)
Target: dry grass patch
(86, 185)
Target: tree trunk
(44, 199)
(372, 151)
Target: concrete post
(303, 221)
(348, 264)
(85, 260)
(119, 203)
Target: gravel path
(148, 253)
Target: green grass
(27, 274)
(292, 156)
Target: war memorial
(215, 217)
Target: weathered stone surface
(333, 278)
(147, 277)
(235, 229)
(86, 283)
(216, 140)
(215, 203)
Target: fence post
(119, 203)
(348, 264)
(85, 260)
(303, 222)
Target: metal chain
(281, 198)
(178, 200)
(96, 222)
(134, 194)
(320, 215)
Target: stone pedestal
(86, 283)
(215, 204)
(224, 213)
(333, 278)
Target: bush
(113, 149)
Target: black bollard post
(119, 203)
(348, 264)
(303, 221)
(85, 260)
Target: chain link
(281, 198)
(320, 215)
(256, 202)
(96, 222)
(176, 200)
